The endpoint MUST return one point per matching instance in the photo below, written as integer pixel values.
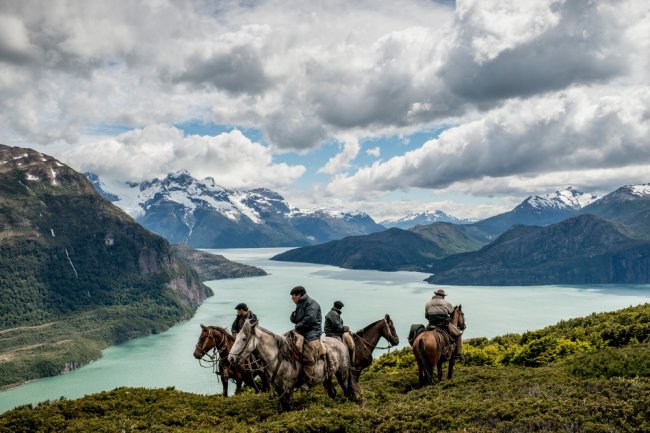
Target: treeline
(573, 391)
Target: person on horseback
(307, 319)
(243, 314)
(334, 328)
(438, 312)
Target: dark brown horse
(220, 341)
(366, 339)
(434, 347)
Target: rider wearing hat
(243, 313)
(438, 312)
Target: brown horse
(366, 339)
(220, 342)
(429, 349)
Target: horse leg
(285, 401)
(238, 384)
(329, 387)
(224, 384)
(450, 370)
(440, 370)
(266, 386)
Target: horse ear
(253, 322)
(387, 317)
(202, 326)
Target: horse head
(245, 342)
(459, 316)
(210, 337)
(389, 332)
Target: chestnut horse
(220, 342)
(366, 339)
(429, 349)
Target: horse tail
(424, 359)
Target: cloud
(536, 87)
(527, 48)
(583, 128)
(342, 160)
(230, 158)
(374, 151)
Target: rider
(334, 328)
(243, 313)
(438, 313)
(307, 318)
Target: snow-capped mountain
(424, 218)
(184, 209)
(568, 199)
(538, 210)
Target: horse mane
(228, 335)
(361, 331)
(285, 349)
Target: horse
(220, 341)
(284, 369)
(428, 348)
(366, 339)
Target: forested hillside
(587, 374)
(76, 273)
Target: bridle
(218, 346)
(369, 347)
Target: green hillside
(76, 273)
(583, 375)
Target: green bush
(631, 361)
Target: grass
(603, 389)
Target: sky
(387, 107)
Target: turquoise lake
(166, 360)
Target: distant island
(214, 266)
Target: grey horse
(284, 369)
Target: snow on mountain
(424, 218)
(569, 199)
(183, 208)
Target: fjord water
(165, 360)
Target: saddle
(450, 341)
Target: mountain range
(202, 214)
(567, 237)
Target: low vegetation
(589, 374)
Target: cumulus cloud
(343, 159)
(586, 128)
(230, 158)
(536, 87)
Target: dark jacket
(333, 323)
(307, 318)
(239, 321)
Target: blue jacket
(307, 318)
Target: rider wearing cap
(243, 313)
(307, 319)
(438, 312)
(334, 328)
